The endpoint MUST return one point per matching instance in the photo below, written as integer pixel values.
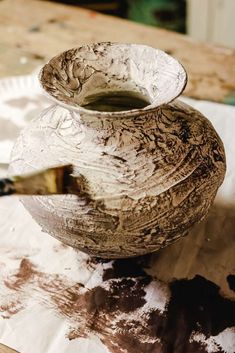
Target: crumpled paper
(56, 299)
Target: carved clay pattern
(72, 75)
(151, 173)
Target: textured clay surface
(149, 174)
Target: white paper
(30, 320)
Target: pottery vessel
(148, 174)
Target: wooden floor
(33, 31)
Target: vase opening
(113, 77)
(115, 101)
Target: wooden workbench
(32, 31)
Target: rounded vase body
(150, 173)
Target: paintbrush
(51, 181)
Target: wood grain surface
(6, 349)
(33, 31)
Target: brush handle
(6, 187)
(51, 181)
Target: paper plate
(21, 99)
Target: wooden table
(6, 349)
(33, 31)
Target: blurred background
(33, 31)
(207, 20)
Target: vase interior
(78, 76)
